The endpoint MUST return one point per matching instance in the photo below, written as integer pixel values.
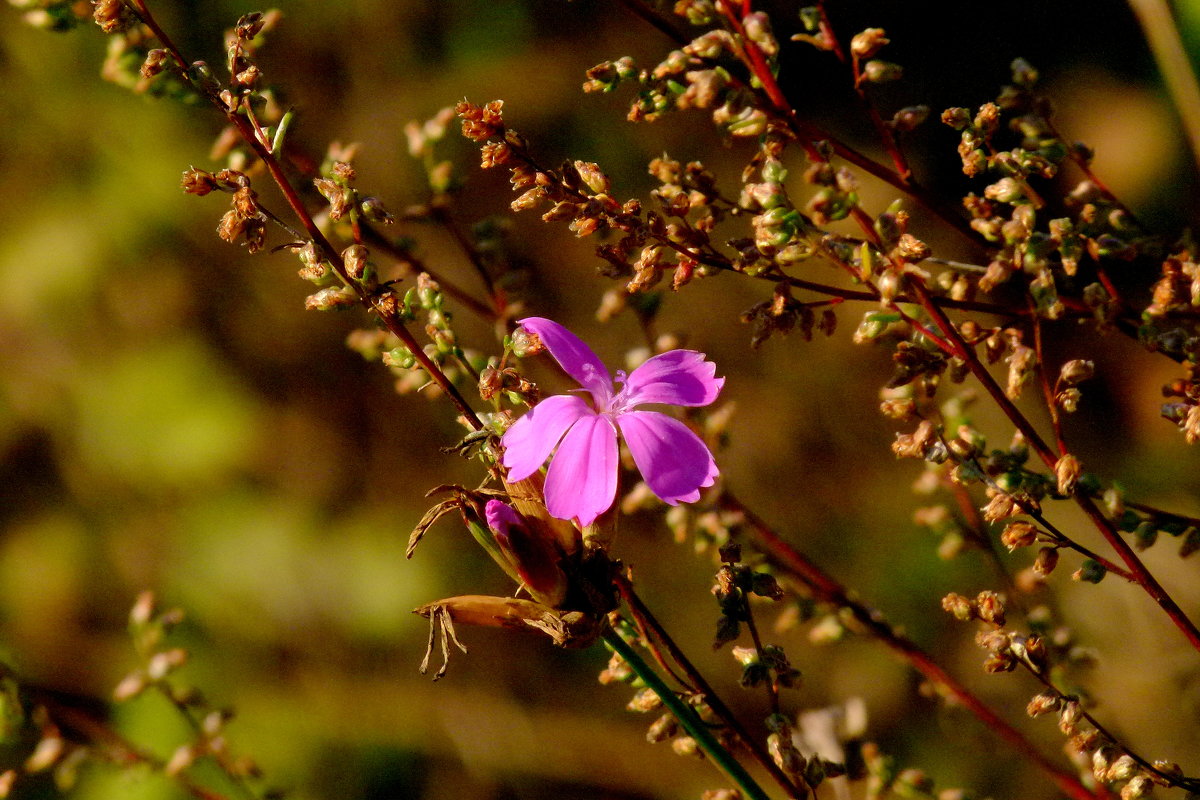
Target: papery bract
(581, 482)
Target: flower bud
(355, 259)
(1019, 534)
(990, 607)
(1076, 371)
(1090, 571)
(526, 343)
(876, 71)
(959, 606)
(156, 61)
(1139, 786)
(197, 182)
(662, 729)
(331, 298)
(1067, 472)
(1122, 769)
(1023, 73)
(372, 208)
(909, 117)
(1046, 560)
(867, 43)
(1044, 703)
(758, 30)
(532, 554)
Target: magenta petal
(575, 357)
(582, 480)
(674, 461)
(677, 377)
(531, 439)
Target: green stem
(687, 717)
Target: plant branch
(1141, 575)
(794, 564)
(702, 687)
(386, 311)
(687, 716)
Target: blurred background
(171, 419)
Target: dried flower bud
(525, 343)
(867, 43)
(245, 202)
(593, 177)
(1069, 716)
(1076, 371)
(156, 61)
(685, 746)
(1122, 769)
(231, 226)
(1000, 662)
(249, 25)
(1000, 507)
(343, 171)
(331, 298)
(1191, 425)
(197, 181)
(662, 729)
(961, 607)
(355, 259)
(989, 607)
(111, 15)
(912, 249)
(1067, 472)
(1139, 786)
(1021, 365)
(1046, 560)
(644, 700)
(1044, 703)
(915, 444)
(758, 30)
(1019, 534)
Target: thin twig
(686, 716)
(792, 563)
(625, 588)
(384, 311)
(1142, 575)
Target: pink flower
(581, 482)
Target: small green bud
(1090, 572)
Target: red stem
(787, 558)
(1142, 575)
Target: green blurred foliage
(170, 418)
